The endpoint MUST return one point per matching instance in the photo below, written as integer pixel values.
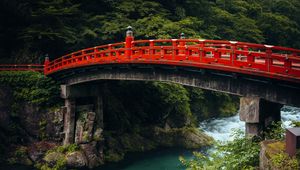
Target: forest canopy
(32, 29)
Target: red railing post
(232, 53)
(182, 44)
(268, 59)
(151, 50)
(174, 49)
(288, 63)
(250, 57)
(201, 49)
(46, 63)
(128, 42)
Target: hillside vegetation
(31, 29)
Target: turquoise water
(161, 159)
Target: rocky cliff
(138, 116)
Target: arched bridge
(241, 68)
(265, 75)
(267, 61)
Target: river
(167, 159)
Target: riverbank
(167, 158)
(219, 128)
(138, 117)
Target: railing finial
(46, 63)
(182, 36)
(128, 40)
(46, 59)
(129, 32)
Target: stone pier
(258, 114)
(94, 117)
(69, 121)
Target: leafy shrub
(241, 153)
(275, 131)
(283, 161)
(296, 123)
(32, 87)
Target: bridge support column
(69, 121)
(99, 111)
(258, 114)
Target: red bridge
(231, 56)
(265, 76)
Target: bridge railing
(22, 67)
(241, 57)
(238, 55)
(94, 55)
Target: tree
(279, 30)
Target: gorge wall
(138, 116)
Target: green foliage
(54, 161)
(21, 152)
(296, 123)
(56, 27)
(241, 153)
(276, 26)
(283, 161)
(65, 149)
(126, 104)
(134, 104)
(30, 87)
(59, 165)
(275, 131)
(207, 104)
(175, 98)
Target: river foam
(221, 128)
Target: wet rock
(136, 143)
(55, 124)
(98, 135)
(93, 154)
(84, 127)
(76, 159)
(54, 157)
(79, 131)
(90, 125)
(37, 150)
(180, 137)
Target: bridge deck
(240, 57)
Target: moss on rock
(187, 137)
(136, 143)
(53, 157)
(273, 156)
